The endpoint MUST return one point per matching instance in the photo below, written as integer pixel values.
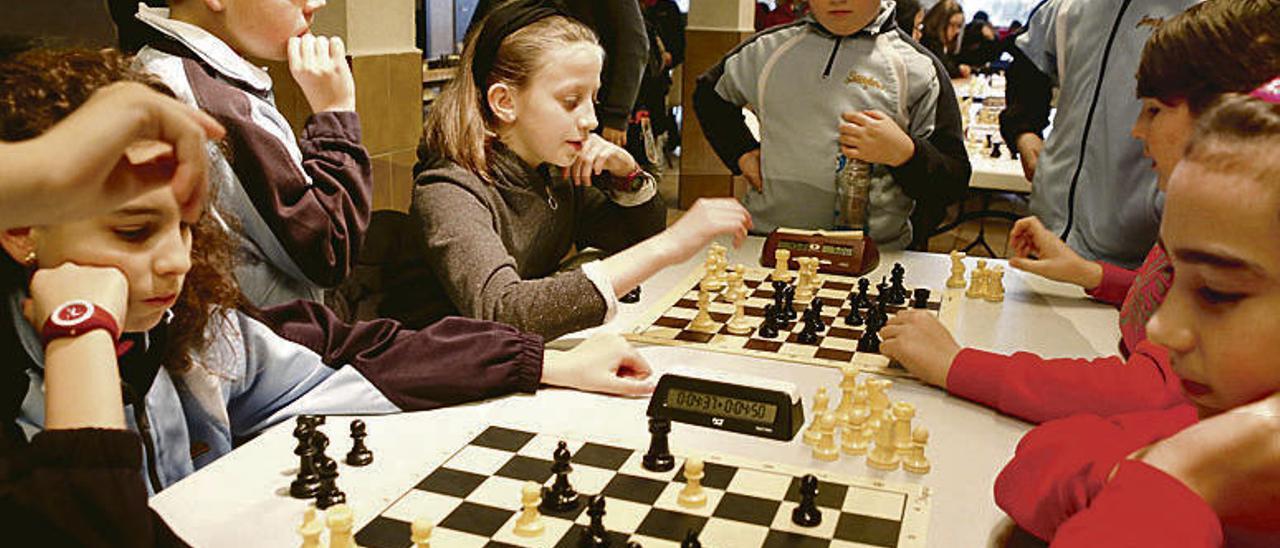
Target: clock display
(721, 406)
(829, 249)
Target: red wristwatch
(75, 318)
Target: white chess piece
(692, 495)
(883, 456)
(826, 449)
(709, 279)
(702, 321)
(820, 401)
(340, 520)
(995, 285)
(420, 532)
(738, 324)
(956, 280)
(529, 524)
(848, 385)
(917, 463)
(903, 412)
(854, 440)
(977, 281)
(781, 269)
(310, 529)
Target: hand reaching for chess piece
(917, 340)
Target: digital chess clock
(747, 405)
(847, 253)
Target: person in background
(979, 46)
(910, 18)
(942, 32)
(621, 31)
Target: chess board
(473, 500)
(668, 321)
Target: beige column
(387, 67)
(715, 27)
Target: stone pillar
(715, 27)
(387, 67)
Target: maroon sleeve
(1038, 389)
(1115, 284)
(1142, 506)
(78, 488)
(321, 224)
(1060, 466)
(452, 361)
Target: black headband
(504, 21)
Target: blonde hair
(460, 124)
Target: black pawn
(560, 497)
(769, 328)
(807, 334)
(921, 298)
(595, 535)
(863, 300)
(691, 540)
(329, 493)
(631, 297)
(779, 287)
(659, 458)
(789, 303)
(807, 513)
(870, 339)
(995, 150)
(818, 324)
(854, 318)
(307, 483)
(359, 454)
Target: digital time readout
(721, 406)
(829, 249)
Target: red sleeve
(1038, 389)
(1061, 466)
(1115, 284)
(452, 361)
(1142, 506)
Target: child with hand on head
(1207, 472)
(844, 83)
(303, 204)
(511, 179)
(138, 305)
(1176, 86)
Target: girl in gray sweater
(511, 179)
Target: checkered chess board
(474, 499)
(668, 323)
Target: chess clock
(846, 253)
(737, 403)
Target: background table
(241, 500)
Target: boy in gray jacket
(843, 81)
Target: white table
(241, 500)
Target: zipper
(144, 429)
(832, 59)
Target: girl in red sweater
(1180, 74)
(1205, 473)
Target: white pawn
(340, 520)
(420, 533)
(917, 463)
(826, 449)
(854, 440)
(702, 321)
(781, 268)
(738, 324)
(903, 412)
(848, 385)
(310, 529)
(820, 402)
(529, 524)
(692, 496)
(956, 280)
(737, 288)
(995, 284)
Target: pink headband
(1269, 92)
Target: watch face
(72, 313)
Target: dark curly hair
(40, 87)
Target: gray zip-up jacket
(800, 78)
(1092, 184)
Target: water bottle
(853, 189)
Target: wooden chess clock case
(846, 253)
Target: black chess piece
(691, 540)
(882, 289)
(307, 484)
(807, 334)
(864, 296)
(870, 339)
(320, 442)
(789, 303)
(329, 494)
(816, 307)
(995, 150)
(897, 291)
(359, 454)
(921, 298)
(631, 297)
(595, 535)
(659, 458)
(854, 318)
(560, 497)
(807, 513)
(769, 328)
(302, 432)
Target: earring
(30, 259)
